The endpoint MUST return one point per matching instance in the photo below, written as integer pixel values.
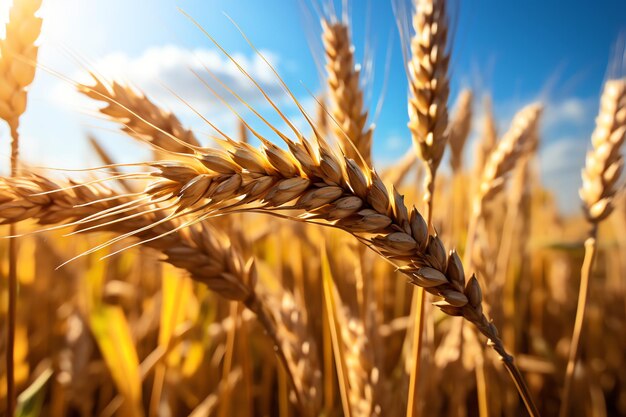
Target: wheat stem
(12, 307)
(481, 388)
(509, 363)
(418, 331)
(583, 292)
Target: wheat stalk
(346, 95)
(459, 129)
(18, 55)
(209, 256)
(335, 190)
(139, 116)
(428, 120)
(602, 170)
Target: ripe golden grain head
(18, 57)
(346, 95)
(140, 117)
(604, 162)
(428, 80)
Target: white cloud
(563, 155)
(572, 111)
(561, 162)
(172, 67)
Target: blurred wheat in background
(283, 274)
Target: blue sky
(519, 51)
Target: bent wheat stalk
(337, 191)
(601, 172)
(18, 55)
(208, 256)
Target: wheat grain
(345, 93)
(139, 116)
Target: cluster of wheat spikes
(18, 54)
(348, 336)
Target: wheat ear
(140, 117)
(209, 256)
(459, 129)
(488, 138)
(501, 161)
(601, 172)
(346, 95)
(429, 88)
(335, 190)
(18, 55)
(300, 347)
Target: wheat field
(246, 273)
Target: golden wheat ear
(140, 117)
(345, 92)
(459, 129)
(604, 162)
(18, 57)
(603, 167)
(429, 87)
